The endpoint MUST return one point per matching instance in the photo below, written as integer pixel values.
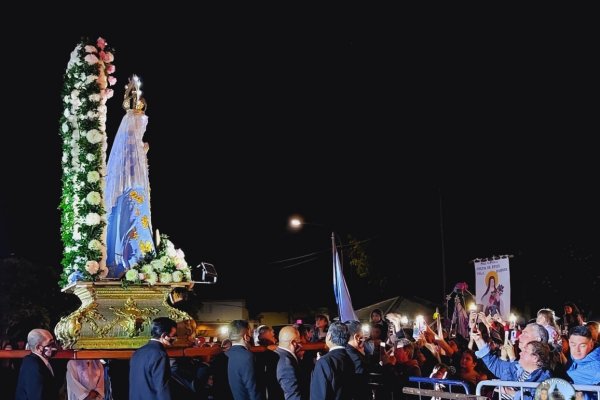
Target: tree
(30, 298)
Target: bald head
(287, 334)
(37, 336)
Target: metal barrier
(447, 382)
(522, 385)
(439, 394)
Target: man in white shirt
(85, 379)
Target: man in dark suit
(287, 367)
(240, 367)
(36, 377)
(356, 350)
(149, 370)
(334, 372)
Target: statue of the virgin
(127, 193)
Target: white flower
(76, 234)
(93, 176)
(152, 278)
(94, 97)
(92, 267)
(93, 136)
(66, 113)
(147, 268)
(94, 198)
(166, 277)
(92, 219)
(131, 275)
(94, 245)
(90, 49)
(90, 157)
(157, 265)
(177, 276)
(65, 127)
(171, 252)
(180, 264)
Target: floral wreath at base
(167, 265)
(83, 130)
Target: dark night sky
(355, 126)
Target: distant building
(214, 315)
(273, 318)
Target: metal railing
(449, 392)
(531, 385)
(449, 383)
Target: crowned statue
(127, 192)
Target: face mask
(49, 351)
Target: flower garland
(165, 266)
(83, 130)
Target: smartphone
(513, 336)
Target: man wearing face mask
(241, 371)
(36, 377)
(287, 367)
(149, 369)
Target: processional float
(123, 274)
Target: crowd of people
(356, 363)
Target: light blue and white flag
(342, 295)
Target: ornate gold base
(113, 317)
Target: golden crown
(133, 99)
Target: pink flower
(92, 266)
(112, 80)
(109, 93)
(107, 57)
(91, 59)
(461, 286)
(110, 68)
(101, 43)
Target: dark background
(368, 127)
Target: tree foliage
(27, 301)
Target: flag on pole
(342, 295)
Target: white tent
(410, 307)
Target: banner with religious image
(492, 286)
